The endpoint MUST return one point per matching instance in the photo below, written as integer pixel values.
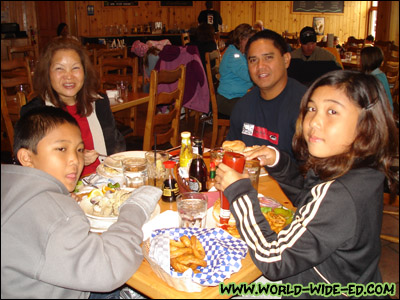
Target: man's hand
(90, 156)
(225, 176)
(265, 155)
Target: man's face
(267, 67)
(308, 48)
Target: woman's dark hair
(33, 126)
(371, 58)
(278, 40)
(60, 28)
(91, 84)
(376, 142)
(241, 32)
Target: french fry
(187, 253)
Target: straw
(155, 157)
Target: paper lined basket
(223, 256)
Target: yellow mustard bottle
(186, 155)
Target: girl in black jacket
(345, 140)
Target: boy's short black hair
(279, 41)
(36, 123)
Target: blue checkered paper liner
(223, 253)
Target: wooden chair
(7, 129)
(336, 54)
(15, 78)
(185, 38)
(292, 39)
(114, 70)
(27, 51)
(395, 202)
(220, 126)
(109, 53)
(384, 45)
(164, 125)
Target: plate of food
(101, 206)
(112, 165)
(277, 215)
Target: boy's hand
(90, 156)
(225, 176)
(265, 155)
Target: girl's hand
(90, 156)
(265, 155)
(75, 197)
(225, 176)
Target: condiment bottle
(186, 155)
(170, 187)
(198, 169)
(211, 181)
(237, 162)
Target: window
(373, 11)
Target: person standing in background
(210, 16)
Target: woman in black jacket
(66, 78)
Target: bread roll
(236, 146)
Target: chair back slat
(164, 125)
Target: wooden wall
(174, 17)
(278, 16)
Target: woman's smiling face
(67, 75)
(330, 123)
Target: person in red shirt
(66, 78)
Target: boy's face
(60, 154)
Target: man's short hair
(35, 125)
(278, 40)
(307, 34)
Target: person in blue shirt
(235, 80)
(371, 60)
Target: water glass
(253, 168)
(192, 209)
(156, 171)
(217, 155)
(135, 172)
(348, 55)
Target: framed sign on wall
(318, 7)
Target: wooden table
(351, 65)
(147, 282)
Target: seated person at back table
(204, 39)
(47, 251)
(267, 114)
(311, 61)
(66, 78)
(371, 60)
(234, 74)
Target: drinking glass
(156, 171)
(348, 55)
(253, 168)
(123, 89)
(217, 155)
(135, 171)
(192, 209)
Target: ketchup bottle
(237, 162)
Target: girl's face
(329, 126)
(67, 75)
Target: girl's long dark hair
(376, 142)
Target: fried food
(197, 247)
(190, 255)
(276, 222)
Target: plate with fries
(189, 259)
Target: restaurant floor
(389, 264)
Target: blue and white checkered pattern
(223, 253)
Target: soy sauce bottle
(170, 187)
(198, 170)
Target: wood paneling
(277, 16)
(174, 17)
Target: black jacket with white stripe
(334, 236)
